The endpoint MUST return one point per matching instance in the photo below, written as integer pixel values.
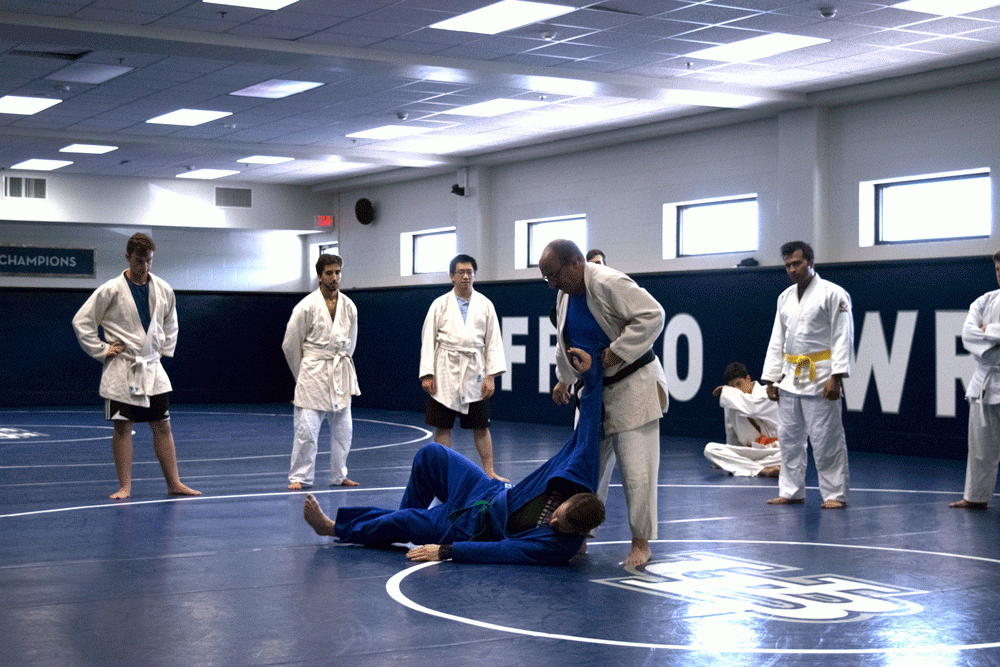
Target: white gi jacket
(985, 383)
(461, 354)
(740, 407)
(319, 349)
(632, 319)
(136, 374)
(819, 323)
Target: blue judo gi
(474, 509)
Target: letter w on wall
(873, 358)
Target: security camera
(828, 12)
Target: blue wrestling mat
(236, 577)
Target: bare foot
(122, 494)
(349, 482)
(785, 501)
(295, 486)
(182, 490)
(958, 504)
(640, 554)
(315, 516)
(833, 505)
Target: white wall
(199, 246)
(805, 166)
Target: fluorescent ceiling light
(88, 148)
(756, 47)
(277, 88)
(946, 7)
(92, 73)
(503, 15)
(207, 174)
(25, 106)
(389, 132)
(40, 165)
(189, 117)
(495, 107)
(265, 159)
(254, 4)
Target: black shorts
(158, 410)
(440, 416)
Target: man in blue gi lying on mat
(543, 519)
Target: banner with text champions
(59, 262)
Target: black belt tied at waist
(631, 368)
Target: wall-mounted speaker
(364, 211)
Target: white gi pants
(742, 461)
(638, 454)
(305, 444)
(819, 420)
(984, 452)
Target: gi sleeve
(352, 334)
(842, 330)
(640, 314)
(428, 340)
(536, 549)
(981, 344)
(775, 359)
(88, 319)
(496, 363)
(295, 334)
(170, 325)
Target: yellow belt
(809, 360)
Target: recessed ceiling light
(92, 73)
(254, 4)
(946, 7)
(503, 15)
(277, 88)
(40, 165)
(265, 159)
(95, 149)
(207, 174)
(495, 107)
(25, 106)
(389, 132)
(189, 117)
(756, 47)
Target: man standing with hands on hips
(812, 343)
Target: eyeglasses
(554, 276)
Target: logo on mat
(18, 434)
(722, 584)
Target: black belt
(631, 368)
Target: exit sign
(324, 221)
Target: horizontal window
(427, 251)
(932, 208)
(531, 236)
(710, 227)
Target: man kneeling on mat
(543, 519)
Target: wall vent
(16, 187)
(234, 197)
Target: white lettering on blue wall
(873, 358)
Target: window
(710, 226)
(536, 234)
(934, 208)
(427, 251)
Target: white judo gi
(749, 419)
(460, 354)
(319, 351)
(135, 374)
(632, 319)
(983, 394)
(812, 340)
